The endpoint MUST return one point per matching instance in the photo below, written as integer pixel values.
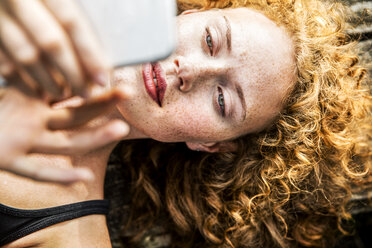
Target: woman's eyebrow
(242, 100)
(228, 32)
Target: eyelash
(220, 98)
(209, 41)
(221, 101)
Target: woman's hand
(51, 46)
(29, 125)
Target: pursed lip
(155, 91)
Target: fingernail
(101, 78)
(121, 129)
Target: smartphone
(133, 31)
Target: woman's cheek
(195, 123)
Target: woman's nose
(186, 73)
(190, 73)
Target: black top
(17, 223)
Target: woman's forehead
(261, 51)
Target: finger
(89, 50)
(50, 37)
(25, 167)
(16, 42)
(73, 117)
(81, 142)
(7, 68)
(45, 79)
(21, 49)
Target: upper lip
(156, 92)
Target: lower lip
(149, 82)
(156, 93)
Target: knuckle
(76, 149)
(62, 141)
(52, 42)
(66, 146)
(51, 45)
(68, 21)
(36, 174)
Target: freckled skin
(261, 62)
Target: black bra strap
(41, 218)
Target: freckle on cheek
(244, 55)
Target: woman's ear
(224, 146)
(190, 11)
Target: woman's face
(229, 75)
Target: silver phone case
(133, 31)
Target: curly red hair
(288, 185)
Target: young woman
(266, 102)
